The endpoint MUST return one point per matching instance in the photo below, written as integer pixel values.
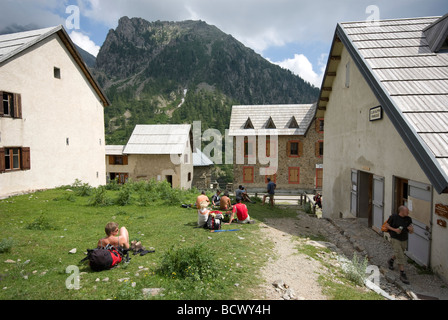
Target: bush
(99, 197)
(356, 270)
(197, 262)
(40, 223)
(6, 245)
(124, 195)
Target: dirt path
(344, 237)
(288, 274)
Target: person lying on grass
(115, 237)
(241, 212)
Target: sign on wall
(376, 113)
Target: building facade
(159, 152)
(51, 117)
(383, 98)
(287, 140)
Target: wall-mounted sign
(376, 113)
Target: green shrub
(197, 262)
(6, 245)
(124, 196)
(356, 270)
(40, 223)
(99, 197)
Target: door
(419, 204)
(365, 184)
(378, 202)
(354, 193)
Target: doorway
(170, 180)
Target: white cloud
(301, 66)
(84, 42)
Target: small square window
(57, 73)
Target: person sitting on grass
(241, 193)
(203, 213)
(200, 198)
(216, 197)
(115, 237)
(224, 202)
(241, 213)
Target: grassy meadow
(40, 229)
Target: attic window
(444, 47)
(270, 124)
(248, 124)
(293, 123)
(57, 73)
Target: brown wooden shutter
(125, 160)
(26, 159)
(300, 148)
(2, 158)
(1, 105)
(317, 149)
(111, 160)
(17, 105)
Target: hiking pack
(105, 258)
(214, 220)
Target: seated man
(115, 237)
(241, 193)
(216, 198)
(224, 202)
(241, 212)
(200, 198)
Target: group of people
(238, 211)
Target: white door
(378, 202)
(354, 193)
(419, 204)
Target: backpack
(105, 258)
(214, 220)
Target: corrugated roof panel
(406, 62)
(424, 87)
(116, 150)
(391, 43)
(429, 122)
(437, 142)
(436, 103)
(387, 36)
(382, 52)
(423, 73)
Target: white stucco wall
(351, 141)
(52, 111)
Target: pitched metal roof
(283, 118)
(200, 159)
(15, 43)
(114, 150)
(409, 80)
(158, 139)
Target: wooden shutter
(125, 160)
(317, 149)
(248, 174)
(111, 160)
(300, 148)
(1, 105)
(293, 175)
(17, 105)
(2, 158)
(25, 159)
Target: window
(11, 105)
(294, 149)
(320, 125)
(118, 160)
(248, 174)
(347, 75)
(294, 175)
(248, 148)
(14, 158)
(189, 176)
(320, 148)
(273, 178)
(57, 73)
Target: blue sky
(295, 34)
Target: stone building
(159, 152)
(285, 140)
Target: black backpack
(214, 222)
(105, 258)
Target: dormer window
(293, 123)
(437, 35)
(248, 124)
(270, 124)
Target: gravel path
(293, 275)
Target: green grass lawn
(39, 230)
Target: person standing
(399, 226)
(270, 192)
